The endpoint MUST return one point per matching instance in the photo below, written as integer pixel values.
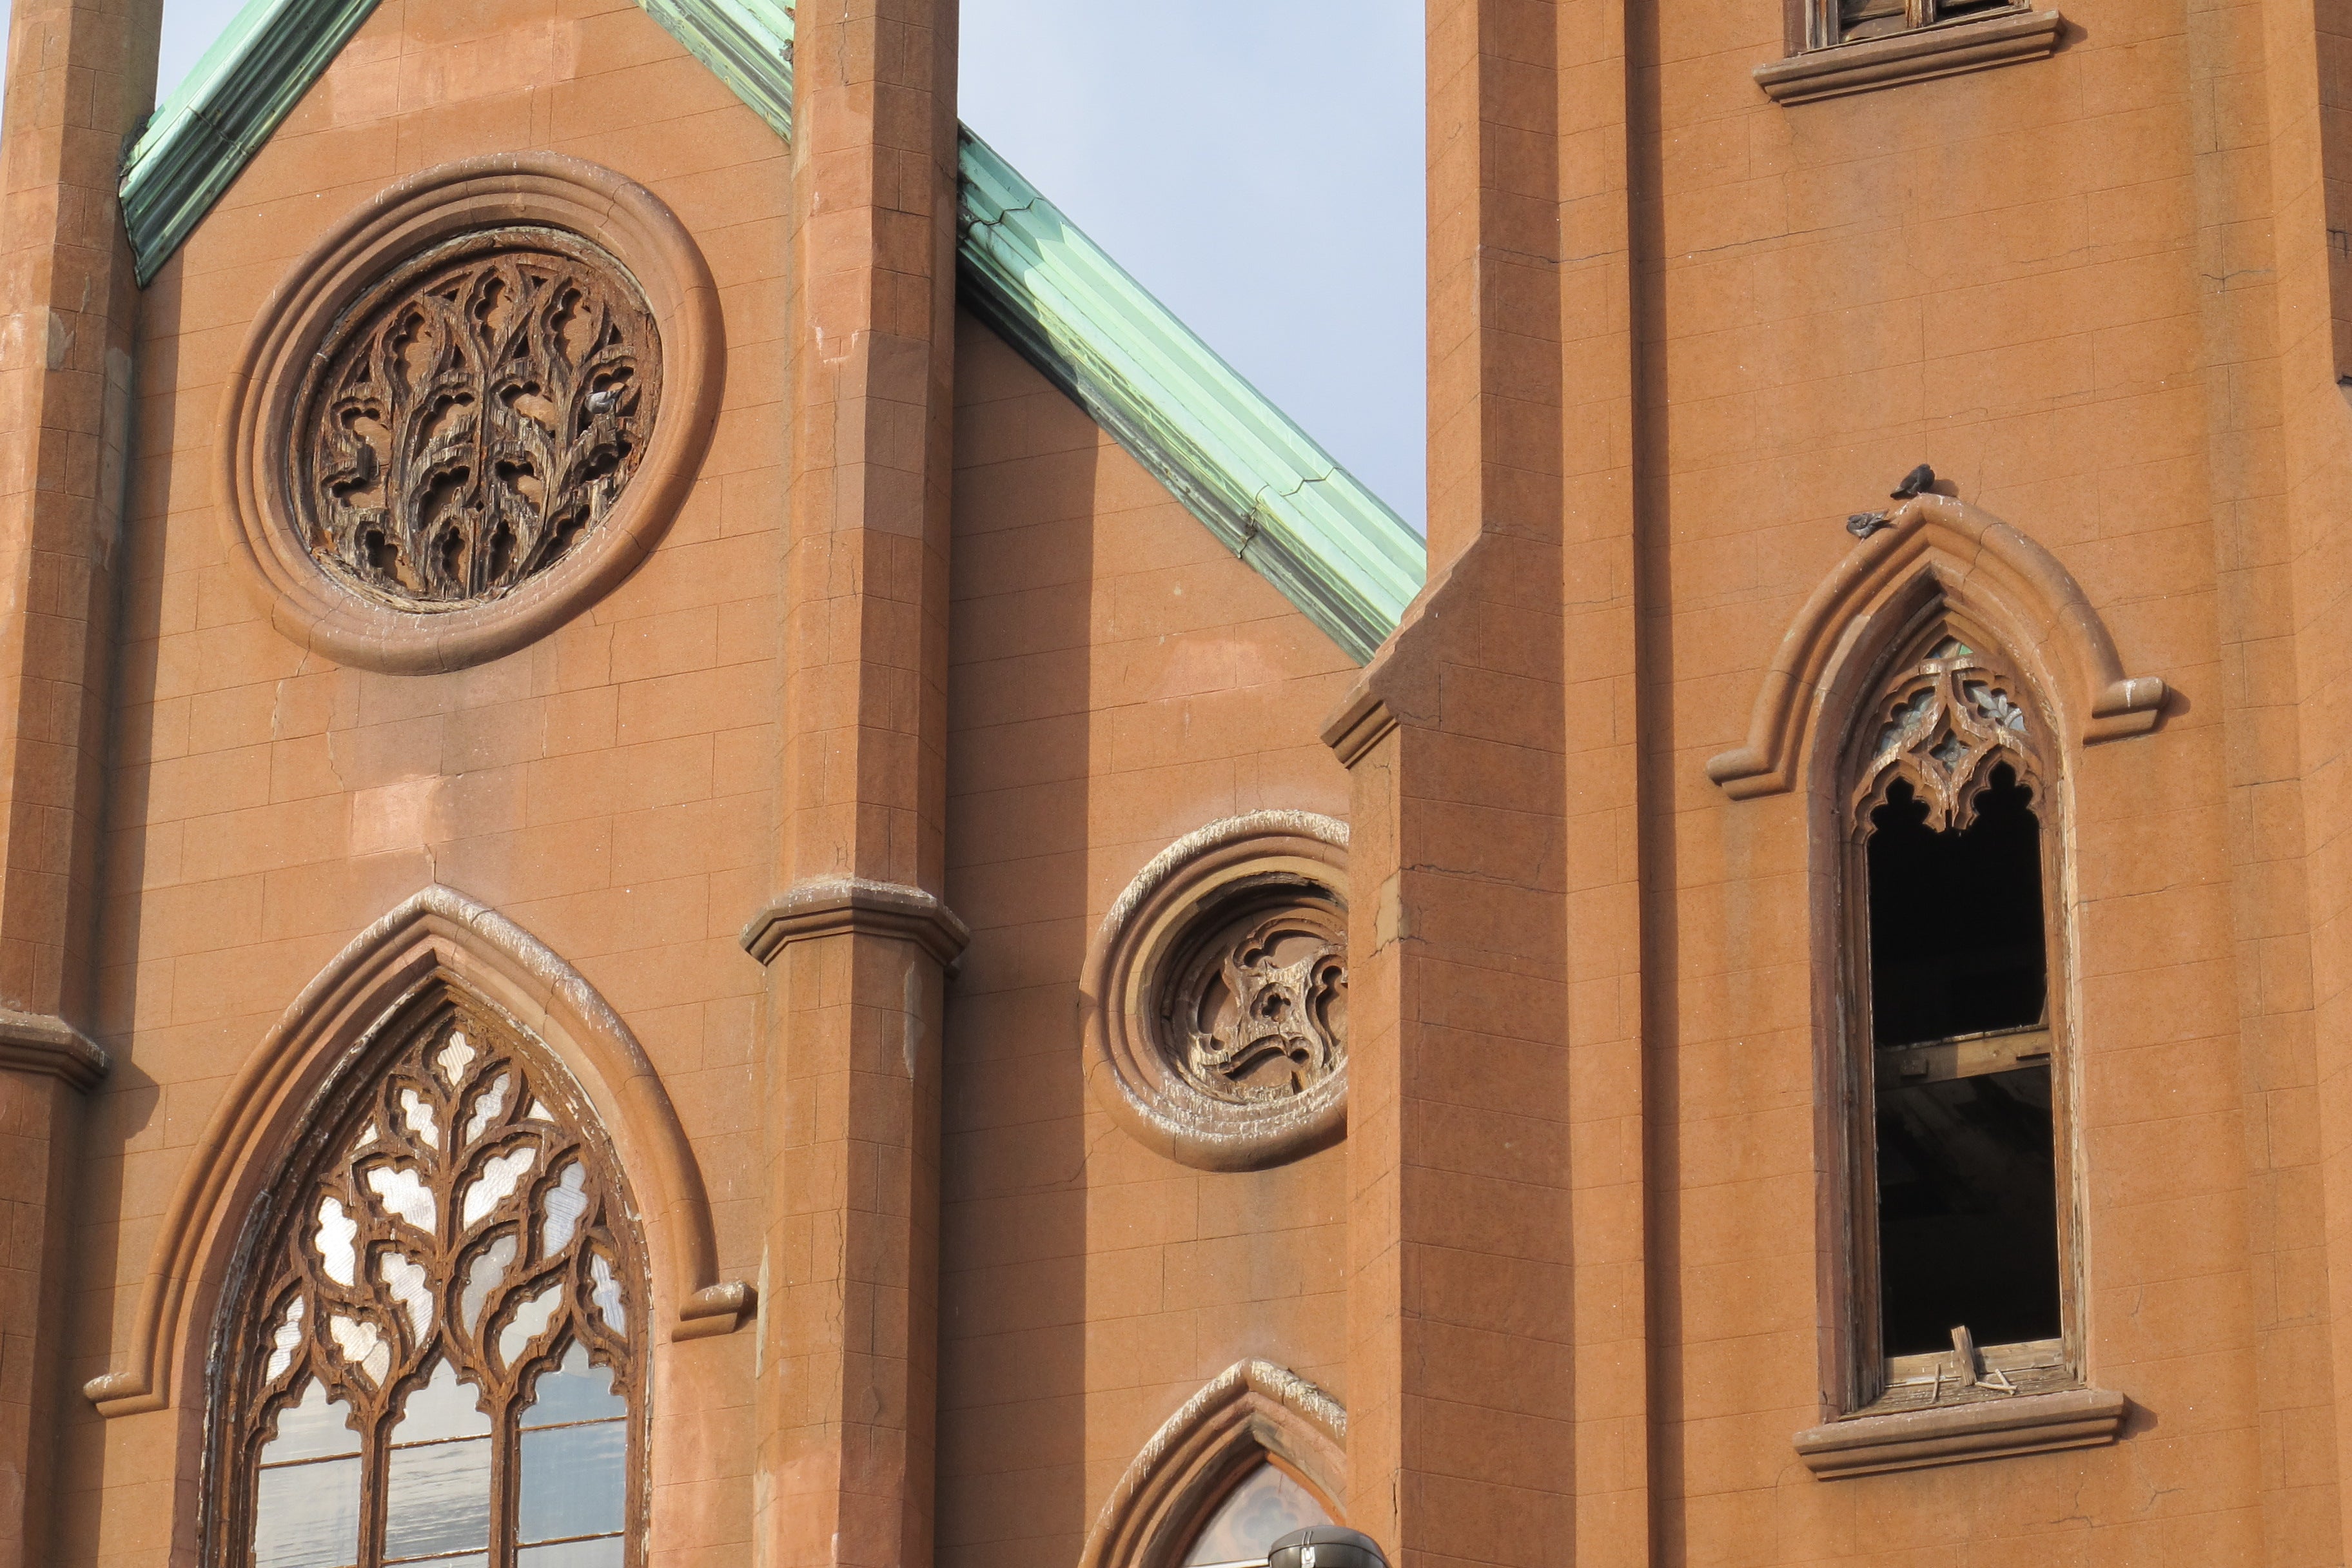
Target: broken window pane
(1966, 1134)
(1955, 940)
(1967, 1211)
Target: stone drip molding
(436, 937)
(1251, 1410)
(47, 1046)
(1936, 547)
(1267, 853)
(829, 906)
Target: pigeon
(605, 402)
(1863, 524)
(1916, 482)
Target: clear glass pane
(307, 1516)
(1266, 1506)
(487, 1106)
(333, 1241)
(577, 1391)
(563, 1204)
(436, 1498)
(604, 1289)
(284, 1340)
(526, 1323)
(404, 1193)
(362, 1344)
(482, 1276)
(444, 1408)
(604, 1553)
(418, 1112)
(412, 1289)
(572, 1479)
(314, 1428)
(492, 1188)
(455, 1057)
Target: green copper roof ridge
(201, 138)
(1261, 484)
(1257, 480)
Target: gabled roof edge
(201, 138)
(1254, 477)
(1238, 463)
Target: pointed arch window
(436, 1354)
(1956, 1071)
(1263, 1502)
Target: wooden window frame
(1867, 1382)
(1813, 24)
(1819, 62)
(277, 1262)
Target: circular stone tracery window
(473, 417)
(1216, 994)
(470, 411)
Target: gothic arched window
(435, 1354)
(1262, 1504)
(1957, 1066)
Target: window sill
(1972, 45)
(1955, 1434)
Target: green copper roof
(1275, 497)
(199, 139)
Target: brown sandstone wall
(611, 788)
(1118, 679)
(2025, 277)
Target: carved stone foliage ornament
(1216, 994)
(470, 411)
(474, 415)
(1942, 723)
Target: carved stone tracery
(452, 1211)
(1942, 724)
(1259, 1012)
(1215, 993)
(472, 416)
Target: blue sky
(1256, 163)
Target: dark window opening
(1956, 944)
(1968, 1197)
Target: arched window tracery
(436, 1356)
(1962, 1240)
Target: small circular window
(474, 416)
(1216, 994)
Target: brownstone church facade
(710, 855)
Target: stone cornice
(37, 1044)
(830, 906)
(1361, 720)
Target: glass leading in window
(435, 1362)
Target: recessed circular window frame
(262, 400)
(1207, 880)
